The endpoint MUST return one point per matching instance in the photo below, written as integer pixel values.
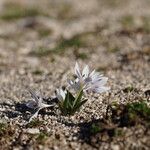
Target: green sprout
(95, 128)
(139, 108)
(68, 104)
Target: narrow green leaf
(65, 103)
(78, 98)
(71, 98)
(71, 104)
(66, 106)
(77, 107)
(80, 104)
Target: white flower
(89, 82)
(61, 94)
(36, 103)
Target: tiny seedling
(95, 128)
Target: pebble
(33, 131)
(115, 147)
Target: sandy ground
(39, 45)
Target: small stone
(33, 131)
(115, 147)
(74, 138)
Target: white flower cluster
(86, 80)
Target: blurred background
(41, 40)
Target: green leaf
(65, 103)
(71, 98)
(71, 104)
(78, 105)
(78, 98)
(66, 106)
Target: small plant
(84, 83)
(95, 128)
(121, 120)
(130, 114)
(69, 104)
(139, 108)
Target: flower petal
(101, 89)
(61, 94)
(70, 82)
(88, 79)
(85, 72)
(96, 76)
(32, 104)
(103, 81)
(58, 95)
(33, 95)
(45, 105)
(92, 73)
(34, 115)
(93, 81)
(77, 70)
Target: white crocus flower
(61, 94)
(89, 82)
(36, 103)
